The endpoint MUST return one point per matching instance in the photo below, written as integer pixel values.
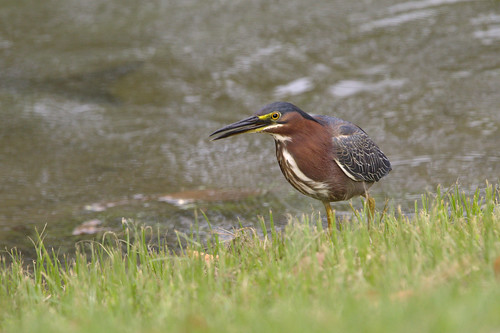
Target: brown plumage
(326, 158)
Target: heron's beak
(249, 125)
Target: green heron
(326, 158)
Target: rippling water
(106, 106)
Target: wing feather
(359, 157)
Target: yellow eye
(275, 115)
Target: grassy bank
(435, 271)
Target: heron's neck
(279, 138)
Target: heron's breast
(297, 176)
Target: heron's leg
(330, 215)
(371, 208)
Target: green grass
(431, 272)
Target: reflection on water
(296, 87)
(351, 87)
(106, 107)
(489, 26)
(397, 20)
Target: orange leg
(330, 215)
(371, 208)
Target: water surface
(106, 106)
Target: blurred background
(106, 105)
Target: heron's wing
(358, 156)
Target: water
(106, 106)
